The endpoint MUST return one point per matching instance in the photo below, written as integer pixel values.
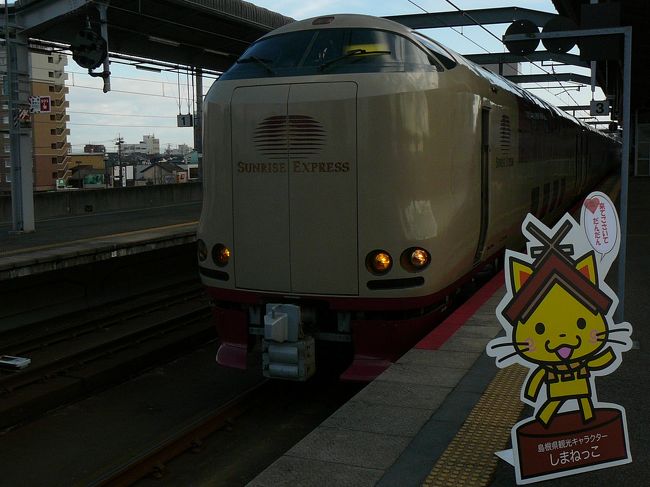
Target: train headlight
(201, 250)
(379, 262)
(221, 255)
(415, 259)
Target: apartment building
(49, 130)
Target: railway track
(187, 437)
(75, 354)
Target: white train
(356, 173)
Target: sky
(143, 102)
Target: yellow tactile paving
(469, 459)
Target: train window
(534, 201)
(327, 51)
(438, 51)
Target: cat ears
(520, 271)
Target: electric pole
(119, 143)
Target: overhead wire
(470, 17)
(513, 66)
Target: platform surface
(66, 242)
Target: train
(356, 174)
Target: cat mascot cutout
(558, 317)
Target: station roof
(210, 34)
(637, 15)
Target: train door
(260, 188)
(485, 182)
(323, 188)
(295, 188)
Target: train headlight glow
(420, 258)
(415, 259)
(379, 262)
(201, 250)
(221, 255)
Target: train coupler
(286, 354)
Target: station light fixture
(167, 42)
(218, 53)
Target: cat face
(560, 330)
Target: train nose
(294, 154)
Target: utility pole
(119, 143)
(198, 120)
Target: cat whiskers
(516, 352)
(603, 336)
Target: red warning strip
(442, 333)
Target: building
(94, 148)
(162, 172)
(49, 130)
(148, 145)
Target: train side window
(534, 201)
(545, 199)
(440, 53)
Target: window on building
(51, 74)
(51, 88)
(53, 146)
(52, 117)
(7, 163)
(55, 160)
(7, 148)
(5, 120)
(55, 175)
(52, 131)
(8, 177)
(50, 59)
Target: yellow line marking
(90, 239)
(469, 459)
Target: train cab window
(330, 51)
(444, 56)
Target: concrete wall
(65, 203)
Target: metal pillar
(103, 19)
(18, 87)
(625, 170)
(198, 120)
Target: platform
(67, 242)
(437, 415)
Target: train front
(299, 239)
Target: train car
(356, 173)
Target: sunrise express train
(361, 171)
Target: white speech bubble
(600, 222)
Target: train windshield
(331, 51)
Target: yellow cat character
(558, 317)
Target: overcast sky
(147, 103)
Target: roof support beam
(503, 15)
(509, 58)
(35, 14)
(549, 78)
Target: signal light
(379, 262)
(415, 259)
(221, 255)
